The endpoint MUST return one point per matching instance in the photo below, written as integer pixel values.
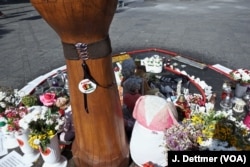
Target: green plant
(29, 100)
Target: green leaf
(2, 124)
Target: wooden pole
(100, 137)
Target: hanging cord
(82, 50)
(83, 55)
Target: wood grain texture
(77, 20)
(100, 137)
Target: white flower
(16, 92)
(8, 99)
(237, 76)
(24, 122)
(241, 75)
(37, 141)
(42, 116)
(49, 122)
(216, 145)
(223, 114)
(245, 77)
(44, 109)
(2, 104)
(12, 100)
(2, 95)
(57, 127)
(60, 121)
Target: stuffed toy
(153, 115)
(68, 133)
(130, 69)
(132, 85)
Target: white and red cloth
(153, 116)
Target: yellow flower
(211, 126)
(217, 126)
(51, 133)
(199, 140)
(34, 141)
(41, 136)
(208, 133)
(197, 119)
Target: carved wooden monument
(83, 27)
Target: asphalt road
(211, 31)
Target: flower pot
(29, 154)
(240, 90)
(9, 141)
(52, 155)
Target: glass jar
(226, 89)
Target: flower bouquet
(43, 121)
(46, 121)
(214, 130)
(182, 137)
(220, 130)
(241, 75)
(8, 98)
(9, 124)
(11, 117)
(10, 113)
(242, 79)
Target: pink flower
(48, 99)
(22, 111)
(11, 128)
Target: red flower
(61, 112)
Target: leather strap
(95, 50)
